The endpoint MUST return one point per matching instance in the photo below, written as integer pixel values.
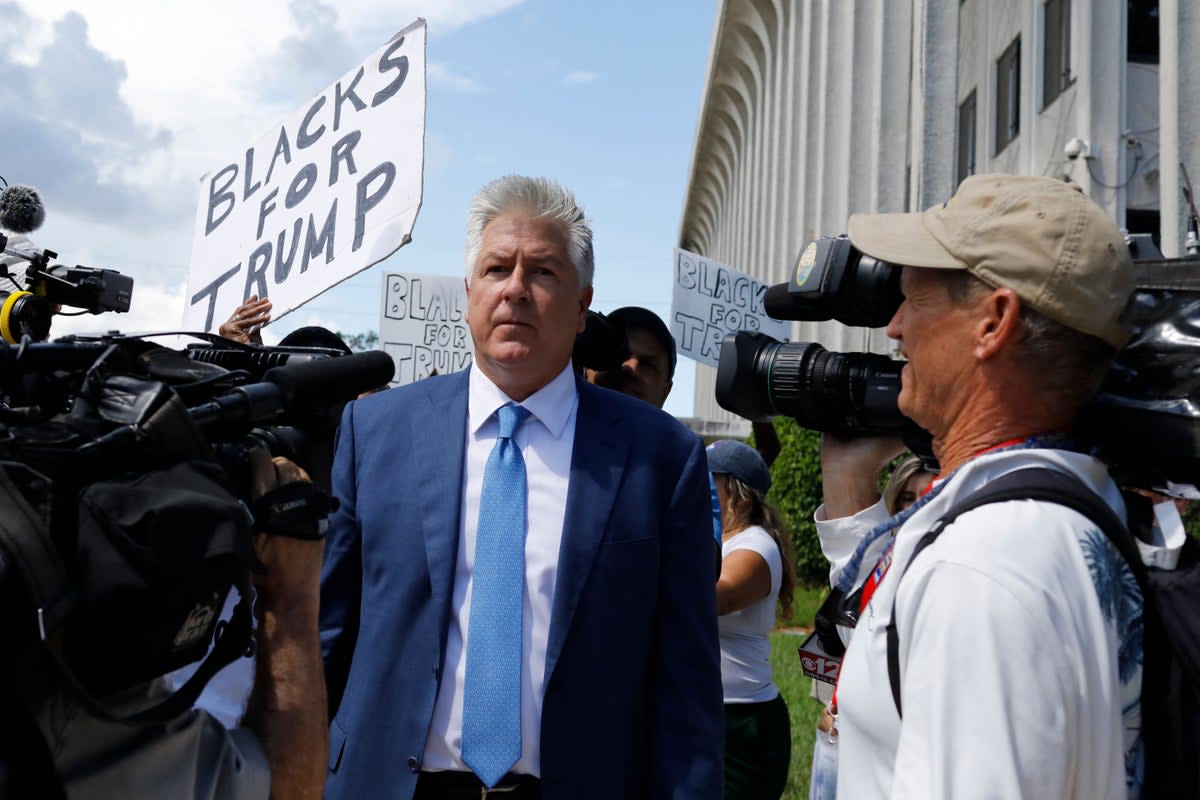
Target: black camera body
(26, 311)
(832, 279)
(601, 345)
(94, 290)
(846, 393)
(305, 434)
(1144, 422)
(131, 464)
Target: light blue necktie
(491, 733)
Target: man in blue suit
(606, 682)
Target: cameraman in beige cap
(1020, 643)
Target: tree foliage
(796, 492)
(360, 342)
(1191, 519)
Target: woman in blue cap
(757, 580)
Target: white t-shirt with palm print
(1020, 653)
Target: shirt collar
(551, 405)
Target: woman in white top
(757, 577)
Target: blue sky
(117, 122)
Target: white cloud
(217, 75)
(72, 134)
(115, 109)
(156, 308)
(440, 75)
(307, 60)
(152, 308)
(447, 14)
(579, 76)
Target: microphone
(318, 384)
(21, 212)
(307, 387)
(21, 209)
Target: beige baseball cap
(1043, 238)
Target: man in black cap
(648, 371)
(650, 368)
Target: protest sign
(331, 190)
(711, 300)
(423, 325)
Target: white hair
(541, 198)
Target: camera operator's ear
(998, 323)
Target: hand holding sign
(246, 321)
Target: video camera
(126, 505)
(601, 345)
(1144, 422)
(26, 310)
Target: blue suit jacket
(632, 703)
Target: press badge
(816, 663)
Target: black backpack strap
(1028, 483)
(229, 646)
(28, 547)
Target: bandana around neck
(845, 578)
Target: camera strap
(229, 646)
(1027, 483)
(26, 544)
(846, 578)
(844, 605)
(298, 509)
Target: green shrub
(796, 492)
(1191, 519)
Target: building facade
(817, 109)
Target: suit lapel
(439, 443)
(597, 462)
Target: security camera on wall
(1077, 147)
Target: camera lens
(836, 392)
(291, 443)
(23, 314)
(848, 393)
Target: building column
(935, 102)
(1179, 116)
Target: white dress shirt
(546, 440)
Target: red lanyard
(884, 563)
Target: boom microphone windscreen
(21, 209)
